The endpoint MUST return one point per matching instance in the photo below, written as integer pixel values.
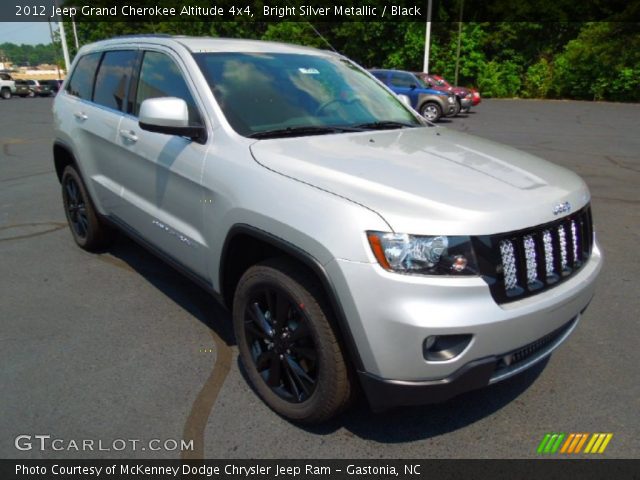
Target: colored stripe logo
(573, 443)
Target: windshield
(273, 92)
(421, 82)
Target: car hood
(462, 91)
(429, 180)
(434, 91)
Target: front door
(162, 190)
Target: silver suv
(354, 242)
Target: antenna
(320, 35)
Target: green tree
(500, 79)
(538, 79)
(601, 63)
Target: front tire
(88, 230)
(287, 345)
(458, 108)
(5, 93)
(431, 111)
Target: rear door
(97, 90)
(405, 84)
(161, 174)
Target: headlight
(426, 255)
(451, 99)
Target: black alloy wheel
(288, 346)
(282, 347)
(87, 227)
(76, 207)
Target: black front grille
(512, 360)
(525, 262)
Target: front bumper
(384, 394)
(390, 315)
(466, 102)
(450, 109)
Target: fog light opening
(440, 348)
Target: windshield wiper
(304, 130)
(385, 125)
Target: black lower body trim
(384, 394)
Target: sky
(30, 33)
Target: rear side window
(161, 77)
(112, 80)
(403, 80)
(81, 82)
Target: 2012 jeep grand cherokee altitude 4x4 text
(353, 241)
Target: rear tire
(5, 93)
(287, 345)
(431, 111)
(88, 229)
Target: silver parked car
(352, 240)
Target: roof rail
(156, 35)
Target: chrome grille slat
(509, 268)
(575, 242)
(531, 260)
(564, 256)
(547, 241)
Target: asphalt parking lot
(119, 346)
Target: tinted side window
(112, 80)
(382, 76)
(81, 82)
(402, 80)
(161, 77)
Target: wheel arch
(62, 157)
(246, 245)
(424, 99)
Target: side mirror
(404, 99)
(169, 115)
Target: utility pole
(53, 43)
(427, 39)
(63, 40)
(459, 39)
(75, 33)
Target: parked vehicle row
(466, 97)
(7, 86)
(430, 95)
(27, 88)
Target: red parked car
(475, 97)
(467, 97)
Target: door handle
(80, 115)
(129, 135)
